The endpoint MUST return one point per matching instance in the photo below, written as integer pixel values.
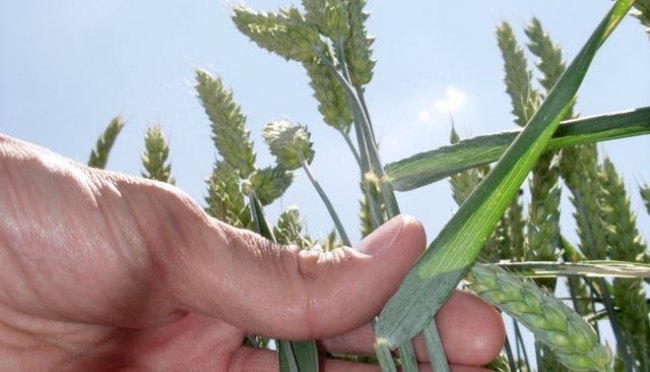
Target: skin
(101, 271)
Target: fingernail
(384, 237)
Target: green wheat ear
(154, 158)
(357, 46)
(229, 134)
(525, 99)
(99, 155)
(270, 183)
(331, 97)
(329, 16)
(288, 229)
(289, 144)
(225, 200)
(574, 342)
(544, 208)
(285, 33)
(626, 244)
(645, 195)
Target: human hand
(101, 271)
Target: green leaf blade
(431, 166)
(298, 356)
(451, 254)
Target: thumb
(284, 292)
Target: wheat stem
(326, 200)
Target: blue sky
(69, 66)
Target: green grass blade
(432, 166)
(407, 357)
(439, 270)
(434, 348)
(286, 357)
(298, 356)
(385, 358)
(260, 224)
(589, 268)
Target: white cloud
(421, 121)
(424, 115)
(454, 99)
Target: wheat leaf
(439, 270)
(432, 166)
(588, 268)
